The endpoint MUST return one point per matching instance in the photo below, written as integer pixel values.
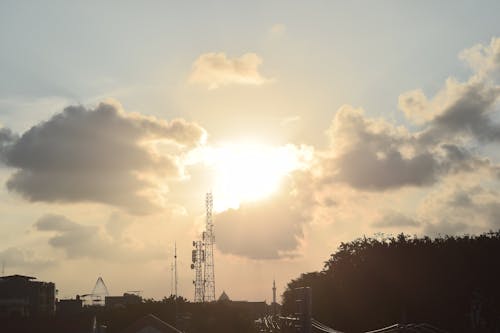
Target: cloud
(396, 220)
(268, 229)
(83, 241)
(23, 260)
(445, 228)
(216, 70)
(102, 155)
(6, 139)
(372, 164)
(372, 154)
(460, 108)
(467, 112)
(462, 205)
(483, 59)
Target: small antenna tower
(175, 268)
(208, 242)
(171, 278)
(3, 268)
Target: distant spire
(274, 297)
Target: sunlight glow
(249, 172)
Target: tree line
(450, 282)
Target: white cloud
(216, 70)
(483, 59)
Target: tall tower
(208, 242)
(197, 259)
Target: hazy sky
(312, 122)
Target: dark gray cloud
(375, 155)
(470, 113)
(396, 220)
(267, 229)
(97, 155)
(6, 139)
(363, 169)
(88, 241)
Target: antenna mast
(171, 278)
(175, 267)
(208, 242)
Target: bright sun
(248, 172)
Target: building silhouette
(23, 297)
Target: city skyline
(311, 123)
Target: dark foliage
(450, 282)
(191, 317)
(220, 317)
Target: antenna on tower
(3, 267)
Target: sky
(312, 123)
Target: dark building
(122, 301)
(69, 306)
(21, 296)
(255, 309)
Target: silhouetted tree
(450, 282)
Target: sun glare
(248, 172)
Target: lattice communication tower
(209, 241)
(203, 259)
(198, 259)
